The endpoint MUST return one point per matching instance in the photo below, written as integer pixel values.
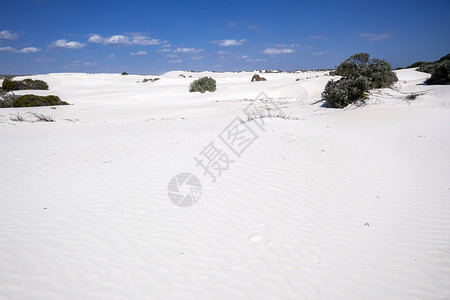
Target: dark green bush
(379, 73)
(359, 75)
(345, 91)
(444, 58)
(441, 74)
(256, 77)
(26, 84)
(439, 70)
(355, 64)
(202, 85)
(41, 84)
(415, 65)
(34, 100)
(124, 73)
(430, 67)
(9, 85)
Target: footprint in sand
(259, 239)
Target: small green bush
(34, 100)
(124, 73)
(441, 74)
(9, 85)
(444, 58)
(428, 67)
(359, 75)
(41, 84)
(355, 64)
(256, 77)
(431, 67)
(345, 91)
(415, 65)
(202, 85)
(26, 84)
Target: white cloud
(24, 50)
(135, 39)
(255, 60)
(287, 45)
(111, 56)
(164, 50)
(138, 53)
(197, 57)
(375, 36)
(7, 35)
(227, 43)
(171, 55)
(66, 45)
(232, 24)
(221, 52)
(29, 50)
(175, 61)
(77, 63)
(166, 45)
(318, 37)
(320, 53)
(95, 38)
(274, 51)
(188, 50)
(254, 27)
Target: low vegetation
(439, 70)
(34, 100)
(150, 80)
(359, 75)
(26, 84)
(256, 77)
(202, 85)
(124, 73)
(415, 65)
(441, 74)
(42, 117)
(440, 67)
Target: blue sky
(153, 37)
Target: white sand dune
(333, 204)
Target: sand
(326, 204)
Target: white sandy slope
(337, 204)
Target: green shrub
(9, 85)
(441, 74)
(34, 100)
(256, 77)
(202, 85)
(415, 65)
(359, 75)
(26, 84)
(430, 67)
(353, 65)
(379, 73)
(444, 58)
(124, 73)
(41, 84)
(345, 91)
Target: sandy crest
(337, 204)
